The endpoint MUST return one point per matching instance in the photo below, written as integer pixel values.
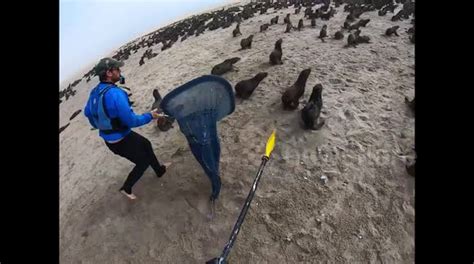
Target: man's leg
(154, 163)
(147, 149)
(134, 176)
(132, 148)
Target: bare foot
(129, 196)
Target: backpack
(97, 107)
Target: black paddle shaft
(243, 213)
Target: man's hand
(154, 113)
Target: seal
(362, 39)
(297, 10)
(338, 35)
(291, 96)
(323, 33)
(275, 56)
(312, 110)
(236, 31)
(245, 88)
(355, 26)
(411, 104)
(163, 123)
(392, 31)
(274, 20)
(411, 169)
(300, 25)
(351, 41)
(346, 25)
(157, 97)
(364, 22)
(224, 66)
(246, 43)
(63, 127)
(289, 26)
(75, 114)
(286, 20)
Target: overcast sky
(91, 29)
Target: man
(108, 109)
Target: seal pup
(391, 7)
(307, 12)
(398, 16)
(286, 20)
(338, 35)
(274, 20)
(75, 114)
(264, 27)
(362, 39)
(245, 88)
(411, 104)
(246, 43)
(350, 17)
(297, 10)
(328, 15)
(236, 31)
(411, 169)
(312, 110)
(156, 103)
(288, 27)
(346, 25)
(291, 96)
(357, 33)
(351, 40)
(364, 22)
(300, 24)
(323, 33)
(355, 26)
(63, 127)
(275, 56)
(224, 66)
(166, 45)
(164, 123)
(392, 31)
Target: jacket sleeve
(125, 112)
(88, 114)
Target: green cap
(107, 64)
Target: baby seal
(312, 110)
(275, 56)
(245, 88)
(291, 96)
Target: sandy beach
(364, 213)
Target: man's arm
(125, 112)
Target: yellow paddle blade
(270, 144)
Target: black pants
(138, 150)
